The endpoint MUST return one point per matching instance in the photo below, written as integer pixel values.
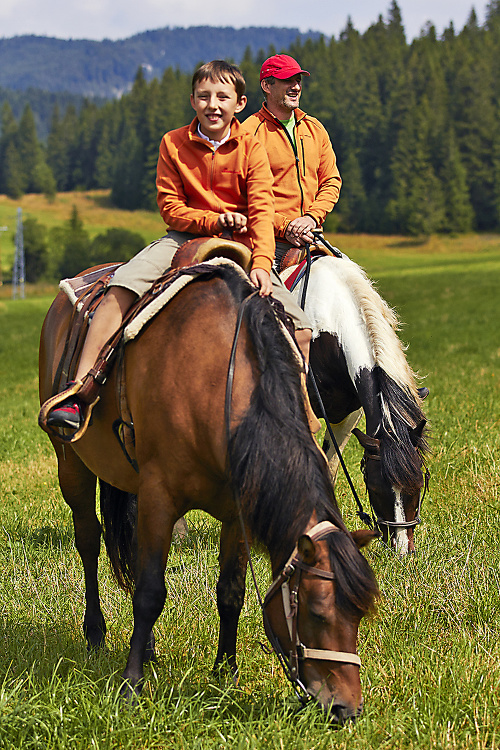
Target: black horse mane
(279, 473)
(402, 416)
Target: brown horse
(176, 372)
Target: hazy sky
(118, 19)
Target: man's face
(215, 103)
(283, 95)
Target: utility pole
(18, 271)
(2, 229)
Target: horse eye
(319, 617)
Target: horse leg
(342, 432)
(233, 562)
(78, 487)
(155, 524)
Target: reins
(294, 565)
(365, 517)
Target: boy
(212, 176)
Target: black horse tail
(119, 526)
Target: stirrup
(51, 403)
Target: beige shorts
(144, 268)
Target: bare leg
(106, 320)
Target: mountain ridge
(107, 68)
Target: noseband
(379, 521)
(299, 652)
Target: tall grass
(431, 655)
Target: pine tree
(75, 247)
(128, 169)
(28, 149)
(12, 172)
(458, 209)
(11, 175)
(36, 250)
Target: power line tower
(18, 270)
(2, 229)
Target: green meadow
(431, 653)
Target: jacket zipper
(297, 165)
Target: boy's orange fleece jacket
(196, 183)
(306, 182)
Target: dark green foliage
(35, 250)
(71, 246)
(115, 245)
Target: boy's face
(215, 103)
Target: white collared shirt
(215, 144)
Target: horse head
(395, 487)
(326, 587)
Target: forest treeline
(415, 128)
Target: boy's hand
(233, 221)
(262, 281)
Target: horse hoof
(129, 694)
(223, 669)
(96, 649)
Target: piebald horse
(176, 374)
(359, 365)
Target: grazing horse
(176, 374)
(359, 366)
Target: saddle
(321, 247)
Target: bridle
(379, 521)
(293, 566)
(290, 597)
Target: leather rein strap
(294, 565)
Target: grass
(431, 655)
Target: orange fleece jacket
(307, 182)
(196, 183)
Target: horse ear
(417, 432)
(363, 537)
(307, 549)
(369, 443)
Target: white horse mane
(382, 323)
(335, 286)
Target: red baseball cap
(281, 66)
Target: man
(306, 178)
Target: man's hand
(262, 281)
(299, 231)
(233, 221)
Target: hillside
(107, 68)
